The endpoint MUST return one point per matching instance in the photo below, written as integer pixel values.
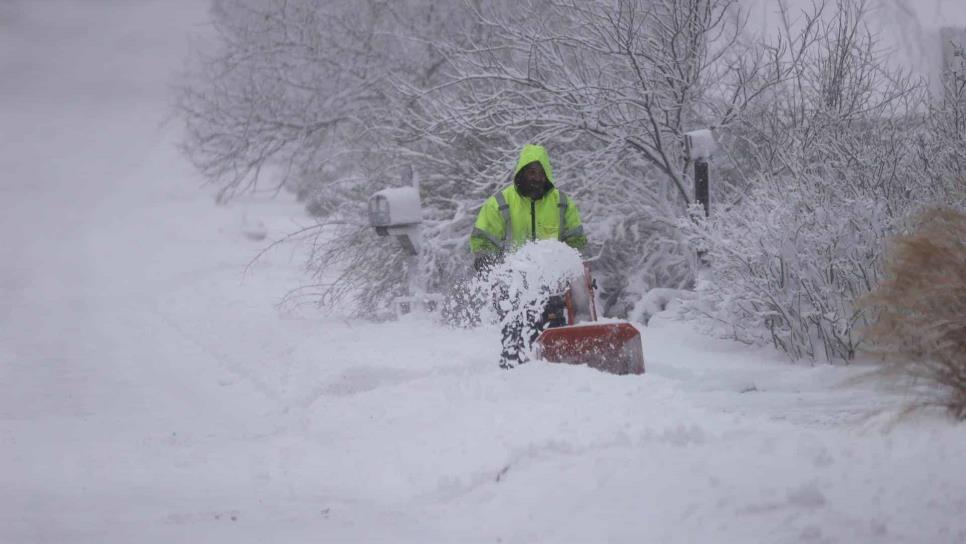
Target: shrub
(921, 305)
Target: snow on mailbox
(397, 211)
(395, 207)
(700, 144)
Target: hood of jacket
(533, 154)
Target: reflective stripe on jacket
(508, 220)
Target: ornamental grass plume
(921, 306)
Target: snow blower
(613, 347)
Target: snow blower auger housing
(613, 347)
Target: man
(530, 209)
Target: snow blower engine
(614, 346)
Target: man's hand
(484, 262)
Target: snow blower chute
(613, 347)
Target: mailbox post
(398, 212)
(700, 146)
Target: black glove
(484, 262)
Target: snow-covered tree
(942, 148)
(826, 148)
(339, 100)
(834, 152)
(305, 95)
(610, 88)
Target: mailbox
(397, 211)
(395, 207)
(700, 144)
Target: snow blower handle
(580, 300)
(591, 285)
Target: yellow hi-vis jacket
(508, 220)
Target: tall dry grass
(921, 306)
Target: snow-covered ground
(151, 390)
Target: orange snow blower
(613, 347)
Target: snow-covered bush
(834, 149)
(921, 305)
(307, 96)
(786, 264)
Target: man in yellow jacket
(530, 209)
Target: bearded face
(532, 181)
